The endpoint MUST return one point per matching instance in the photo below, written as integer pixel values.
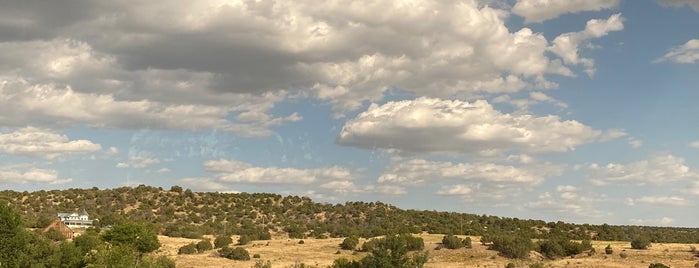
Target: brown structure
(58, 225)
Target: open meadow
(322, 252)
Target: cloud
(567, 45)
(231, 171)
(687, 53)
(138, 162)
(23, 103)
(419, 171)
(427, 125)
(679, 3)
(37, 142)
(662, 200)
(205, 184)
(664, 221)
(211, 52)
(24, 175)
(658, 169)
(535, 11)
(458, 189)
(694, 144)
(568, 201)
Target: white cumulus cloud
(230, 171)
(687, 53)
(427, 125)
(541, 10)
(37, 142)
(567, 45)
(662, 200)
(24, 175)
(658, 169)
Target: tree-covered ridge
(178, 212)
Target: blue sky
(581, 111)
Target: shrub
(244, 240)
(640, 243)
(467, 242)
(222, 241)
(452, 242)
(204, 245)
(512, 246)
(608, 250)
(157, 262)
(238, 253)
(256, 256)
(536, 265)
(187, 249)
(510, 265)
(658, 265)
(301, 242)
(261, 264)
(623, 255)
(349, 243)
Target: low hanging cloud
(49, 105)
(568, 200)
(687, 53)
(658, 169)
(661, 200)
(535, 11)
(419, 171)
(138, 162)
(37, 142)
(231, 171)
(427, 125)
(24, 175)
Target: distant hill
(178, 212)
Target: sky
(583, 111)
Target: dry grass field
(322, 252)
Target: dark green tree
(222, 241)
(349, 243)
(140, 237)
(640, 243)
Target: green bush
(349, 243)
(187, 249)
(222, 241)
(512, 246)
(561, 247)
(301, 242)
(658, 265)
(510, 265)
(204, 245)
(608, 250)
(141, 237)
(452, 242)
(640, 243)
(238, 254)
(256, 256)
(244, 240)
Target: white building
(75, 219)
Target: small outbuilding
(61, 227)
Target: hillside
(182, 213)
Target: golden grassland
(282, 252)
